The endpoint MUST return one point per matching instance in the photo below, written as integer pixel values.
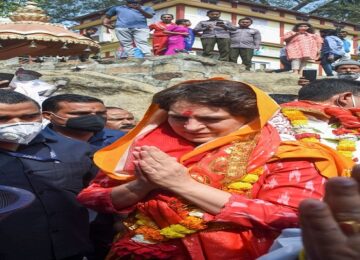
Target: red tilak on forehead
(187, 113)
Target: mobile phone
(310, 74)
(6, 76)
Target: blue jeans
(326, 64)
(286, 64)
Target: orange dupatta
(111, 159)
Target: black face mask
(90, 123)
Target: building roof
(266, 7)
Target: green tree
(60, 10)
(341, 10)
(66, 10)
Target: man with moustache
(119, 119)
(347, 69)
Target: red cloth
(160, 39)
(252, 221)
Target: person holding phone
(309, 74)
(131, 26)
(347, 69)
(244, 40)
(215, 31)
(302, 45)
(5, 79)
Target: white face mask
(19, 133)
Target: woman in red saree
(160, 39)
(203, 176)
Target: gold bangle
(350, 227)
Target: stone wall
(131, 83)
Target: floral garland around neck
(346, 129)
(145, 230)
(190, 219)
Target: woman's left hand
(161, 168)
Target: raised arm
(107, 22)
(274, 201)
(289, 36)
(113, 196)
(107, 19)
(148, 13)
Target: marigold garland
(347, 137)
(151, 232)
(246, 182)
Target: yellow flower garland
(246, 182)
(346, 144)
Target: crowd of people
(216, 169)
(303, 44)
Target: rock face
(131, 83)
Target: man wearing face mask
(54, 169)
(83, 118)
(79, 117)
(326, 112)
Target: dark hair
(324, 89)
(167, 14)
(246, 18)
(212, 11)
(52, 103)
(115, 108)
(181, 21)
(283, 98)
(328, 32)
(92, 28)
(13, 97)
(235, 97)
(310, 30)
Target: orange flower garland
(347, 137)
